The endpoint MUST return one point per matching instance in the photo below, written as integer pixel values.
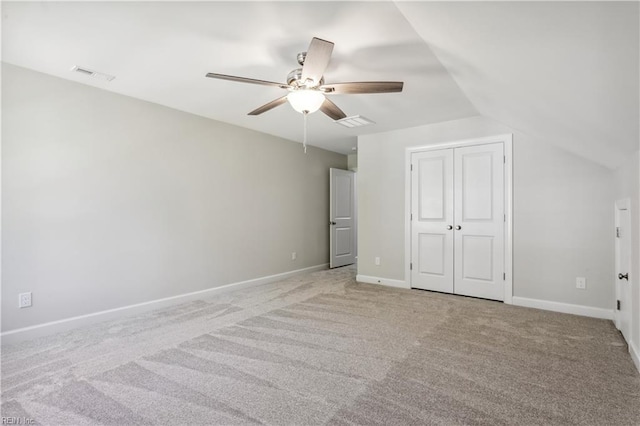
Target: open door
(342, 218)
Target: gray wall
(627, 178)
(109, 201)
(562, 213)
(352, 162)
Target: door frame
(507, 140)
(622, 204)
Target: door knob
(332, 223)
(449, 227)
(623, 277)
(458, 227)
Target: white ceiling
(562, 73)
(160, 52)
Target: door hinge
(617, 232)
(504, 276)
(505, 217)
(411, 266)
(504, 159)
(412, 167)
(617, 304)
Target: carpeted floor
(323, 349)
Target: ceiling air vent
(355, 121)
(91, 73)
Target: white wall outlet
(581, 283)
(377, 261)
(24, 300)
(294, 255)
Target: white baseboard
(383, 281)
(635, 355)
(39, 330)
(566, 308)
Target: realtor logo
(18, 421)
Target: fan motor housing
(294, 79)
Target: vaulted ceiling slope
(161, 51)
(565, 73)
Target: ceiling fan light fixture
(307, 88)
(305, 100)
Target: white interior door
(432, 220)
(458, 221)
(342, 218)
(623, 266)
(479, 221)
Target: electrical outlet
(294, 255)
(24, 300)
(377, 261)
(581, 283)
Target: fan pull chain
(304, 140)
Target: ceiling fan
(306, 85)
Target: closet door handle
(449, 227)
(458, 227)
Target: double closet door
(458, 221)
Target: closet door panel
(432, 216)
(479, 221)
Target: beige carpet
(323, 349)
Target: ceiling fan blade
(332, 110)
(363, 87)
(316, 60)
(246, 80)
(269, 106)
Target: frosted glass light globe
(305, 100)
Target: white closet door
(432, 216)
(479, 221)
